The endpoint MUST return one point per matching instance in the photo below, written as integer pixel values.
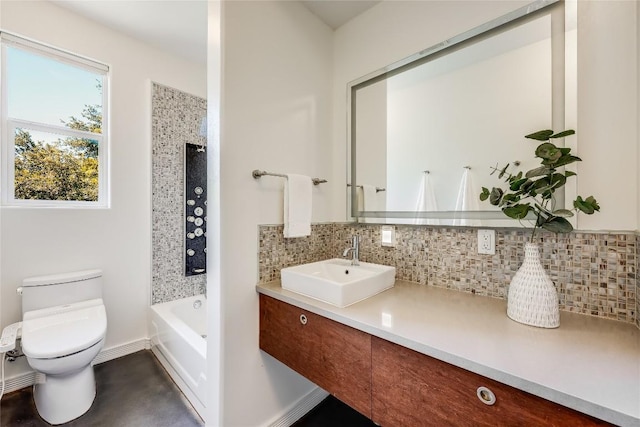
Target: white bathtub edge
(28, 378)
(190, 396)
(182, 348)
(298, 409)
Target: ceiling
(334, 13)
(180, 26)
(176, 26)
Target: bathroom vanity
(417, 355)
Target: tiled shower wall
(595, 272)
(176, 118)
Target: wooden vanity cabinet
(332, 355)
(411, 389)
(393, 385)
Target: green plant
(532, 192)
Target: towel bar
(258, 173)
(378, 189)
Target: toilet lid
(63, 330)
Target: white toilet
(63, 329)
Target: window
(54, 139)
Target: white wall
(607, 86)
(608, 112)
(276, 105)
(116, 240)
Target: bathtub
(178, 339)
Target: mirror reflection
(428, 132)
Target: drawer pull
(303, 319)
(486, 396)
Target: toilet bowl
(61, 341)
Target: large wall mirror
(425, 131)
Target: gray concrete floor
(133, 390)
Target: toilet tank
(59, 289)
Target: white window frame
(10, 124)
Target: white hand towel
(467, 199)
(297, 206)
(426, 200)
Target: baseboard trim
(300, 408)
(27, 379)
(122, 350)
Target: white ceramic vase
(532, 297)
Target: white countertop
(588, 364)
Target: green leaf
(527, 187)
(592, 201)
(543, 211)
(566, 160)
(564, 150)
(542, 170)
(541, 183)
(485, 194)
(513, 178)
(510, 199)
(515, 185)
(565, 213)
(588, 206)
(547, 194)
(567, 174)
(557, 224)
(495, 196)
(558, 180)
(519, 211)
(563, 133)
(548, 151)
(541, 135)
(503, 171)
(540, 220)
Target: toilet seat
(63, 330)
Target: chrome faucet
(355, 250)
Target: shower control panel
(195, 210)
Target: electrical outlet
(387, 235)
(487, 242)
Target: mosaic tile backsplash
(276, 252)
(595, 273)
(176, 118)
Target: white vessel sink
(337, 282)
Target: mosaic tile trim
(176, 118)
(596, 273)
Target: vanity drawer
(334, 356)
(411, 389)
(291, 335)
